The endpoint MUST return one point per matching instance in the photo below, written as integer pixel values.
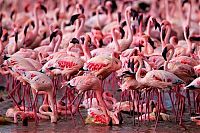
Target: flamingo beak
(33, 24)
(194, 38)
(132, 66)
(25, 29)
(5, 57)
(73, 18)
(119, 16)
(41, 71)
(82, 8)
(74, 41)
(140, 18)
(16, 37)
(57, 16)
(163, 33)
(123, 24)
(187, 30)
(1, 31)
(122, 32)
(140, 47)
(53, 34)
(157, 25)
(164, 53)
(11, 15)
(67, 8)
(43, 8)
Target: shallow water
(67, 125)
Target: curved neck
(86, 50)
(167, 9)
(98, 19)
(127, 41)
(138, 76)
(168, 27)
(170, 57)
(80, 29)
(117, 47)
(189, 47)
(36, 19)
(62, 6)
(57, 44)
(189, 15)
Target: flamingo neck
(36, 19)
(117, 47)
(80, 29)
(189, 15)
(167, 34)
(138, 76)
(127, 41)
(189, 47)
(149, 26)
(58, 44)
(166, 2)
(86, 50)
(170, 57)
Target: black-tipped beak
(5, 57)
(187, 30)
(122, 32)
(134, 29)
(82, 8)
(123, 24)
(157, 25)
(132, 65)
(119, 90)
(11, 15)
(57, 16)
(164, 53)
(119, 16)
(33, 24)
(52, 68)
(74, 41)
(1, 31)
(129, 63)
(151, 43)
(140, 47)
(53, 34)
(82, 40)
(194, 38)
(41, 71)
(73, 18)
(5, 37)
(184, 1)
(67, 8)
(146, 21)
(43, 8)
(25, 29)
(16, 37)
(70, 86)
(163, 33)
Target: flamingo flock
(61, 56)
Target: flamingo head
(156, 24)
(74, 41)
